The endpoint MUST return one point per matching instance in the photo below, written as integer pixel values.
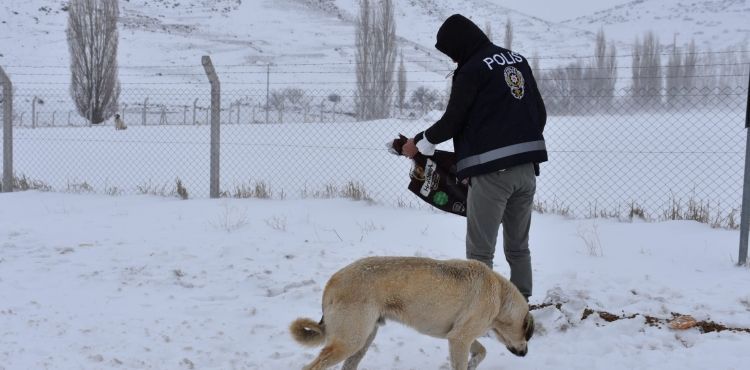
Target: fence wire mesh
(656, 153)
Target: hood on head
(459, 38)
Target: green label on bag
(440, 198)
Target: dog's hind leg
(348, 329)
(477, 355)
(352, 362)
(336, 351)
(333, 353)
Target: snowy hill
(171, 33)
(713, 24)
(320, 33)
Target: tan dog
(458, 300)
(119, 123)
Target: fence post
(745, 214)
(33, 112)
(195, 104)
(143, 113)
(268, 88)
(215, 123)
(230, 112)
(321, 110)
(163, 116)
(7, 184)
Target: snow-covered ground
(141, 282)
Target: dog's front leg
(459, 350)
(477, 355)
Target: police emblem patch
(514, 79)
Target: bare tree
(635, 68)
(294, 96)
(689, 66)
(654, 79)
(647, 73)
(363, 42)
(92, 41)
(277, 100)
(707, 70)
(600, 48)
(401, 85)
(508, 34)
(603, 73)
(335, 99)
(376, 59)
(425, 99)
(563, 87)
(385, 36)
(673, 74)
(571, 80)
(733, 70)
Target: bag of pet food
(433, 179)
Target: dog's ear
(395, 146)
(528, 326)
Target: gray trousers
(502, 197)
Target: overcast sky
(559, 10)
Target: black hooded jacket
(495, 114)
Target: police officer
(495, 117)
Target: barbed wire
(638, 78)
(206, 142)
(284, 72)
(628, 93)
(641, 67)
(304, 83)
(527, 57)
(198, 65)
(338, 147)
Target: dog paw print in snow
(186, 363)
(273, 292)
(549, 319)
(745, 302)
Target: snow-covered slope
(318, 35)
(714, 24)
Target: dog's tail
(308, 332)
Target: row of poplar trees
(93, 40)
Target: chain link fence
(655, 154)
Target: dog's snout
(518, 352)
